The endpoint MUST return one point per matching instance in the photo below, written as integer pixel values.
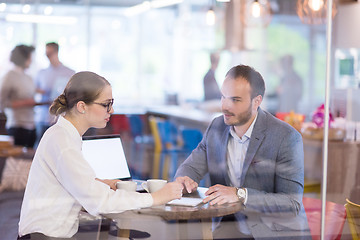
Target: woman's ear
(81, 107)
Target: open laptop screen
(106, 156)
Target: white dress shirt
(52, 81)
(61, 182)
(237, 148)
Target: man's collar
(248, 131)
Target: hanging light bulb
(255, 9)
(26, 8)
(314, 11)
(48, 10)
(2, 7)
(316, 5)
(257, 13)
(210, 17)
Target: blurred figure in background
(291, 86)
(211, 87)
(51, 81)
(17, 98)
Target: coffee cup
(127, 185)
(153, 185)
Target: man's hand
(189, 184)
(220, 194)
(110, 182)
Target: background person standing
(17, 98)
(51, 81)
(291, 86)
(211, 87)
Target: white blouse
(61, 182)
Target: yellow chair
(312, 186)
(165, 149)
(157, 146)
(353, 218)
(169, 146)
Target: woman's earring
(83, 112)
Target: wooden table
(202, 211)
(180, 214)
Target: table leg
(206, 226)
(123, 233)
(123, 228)
(166, 167)
(182, 229)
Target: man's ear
(258, 100)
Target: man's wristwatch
(241, 193)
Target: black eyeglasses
(108, 105)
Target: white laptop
(106, 156)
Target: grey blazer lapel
(223, 160)
(256, 139)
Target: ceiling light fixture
(164, 3)
(48, 10)
(257, 13)
(316, 5)
(2, 7)
(147, 5)
(32, 18)
(210, 17)
(137, 9)
(255, 9)
(314, 11)
(26, 8)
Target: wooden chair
(334, 218)
(353, 218)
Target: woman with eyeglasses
(61, 181)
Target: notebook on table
(105, 154)
(192, 199)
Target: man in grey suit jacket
(250, 156)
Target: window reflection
(164, 52)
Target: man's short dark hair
(250, 75)
(20, 54)
(53, 45)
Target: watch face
(241, 193)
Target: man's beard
(241, 118)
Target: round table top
(201, 211)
